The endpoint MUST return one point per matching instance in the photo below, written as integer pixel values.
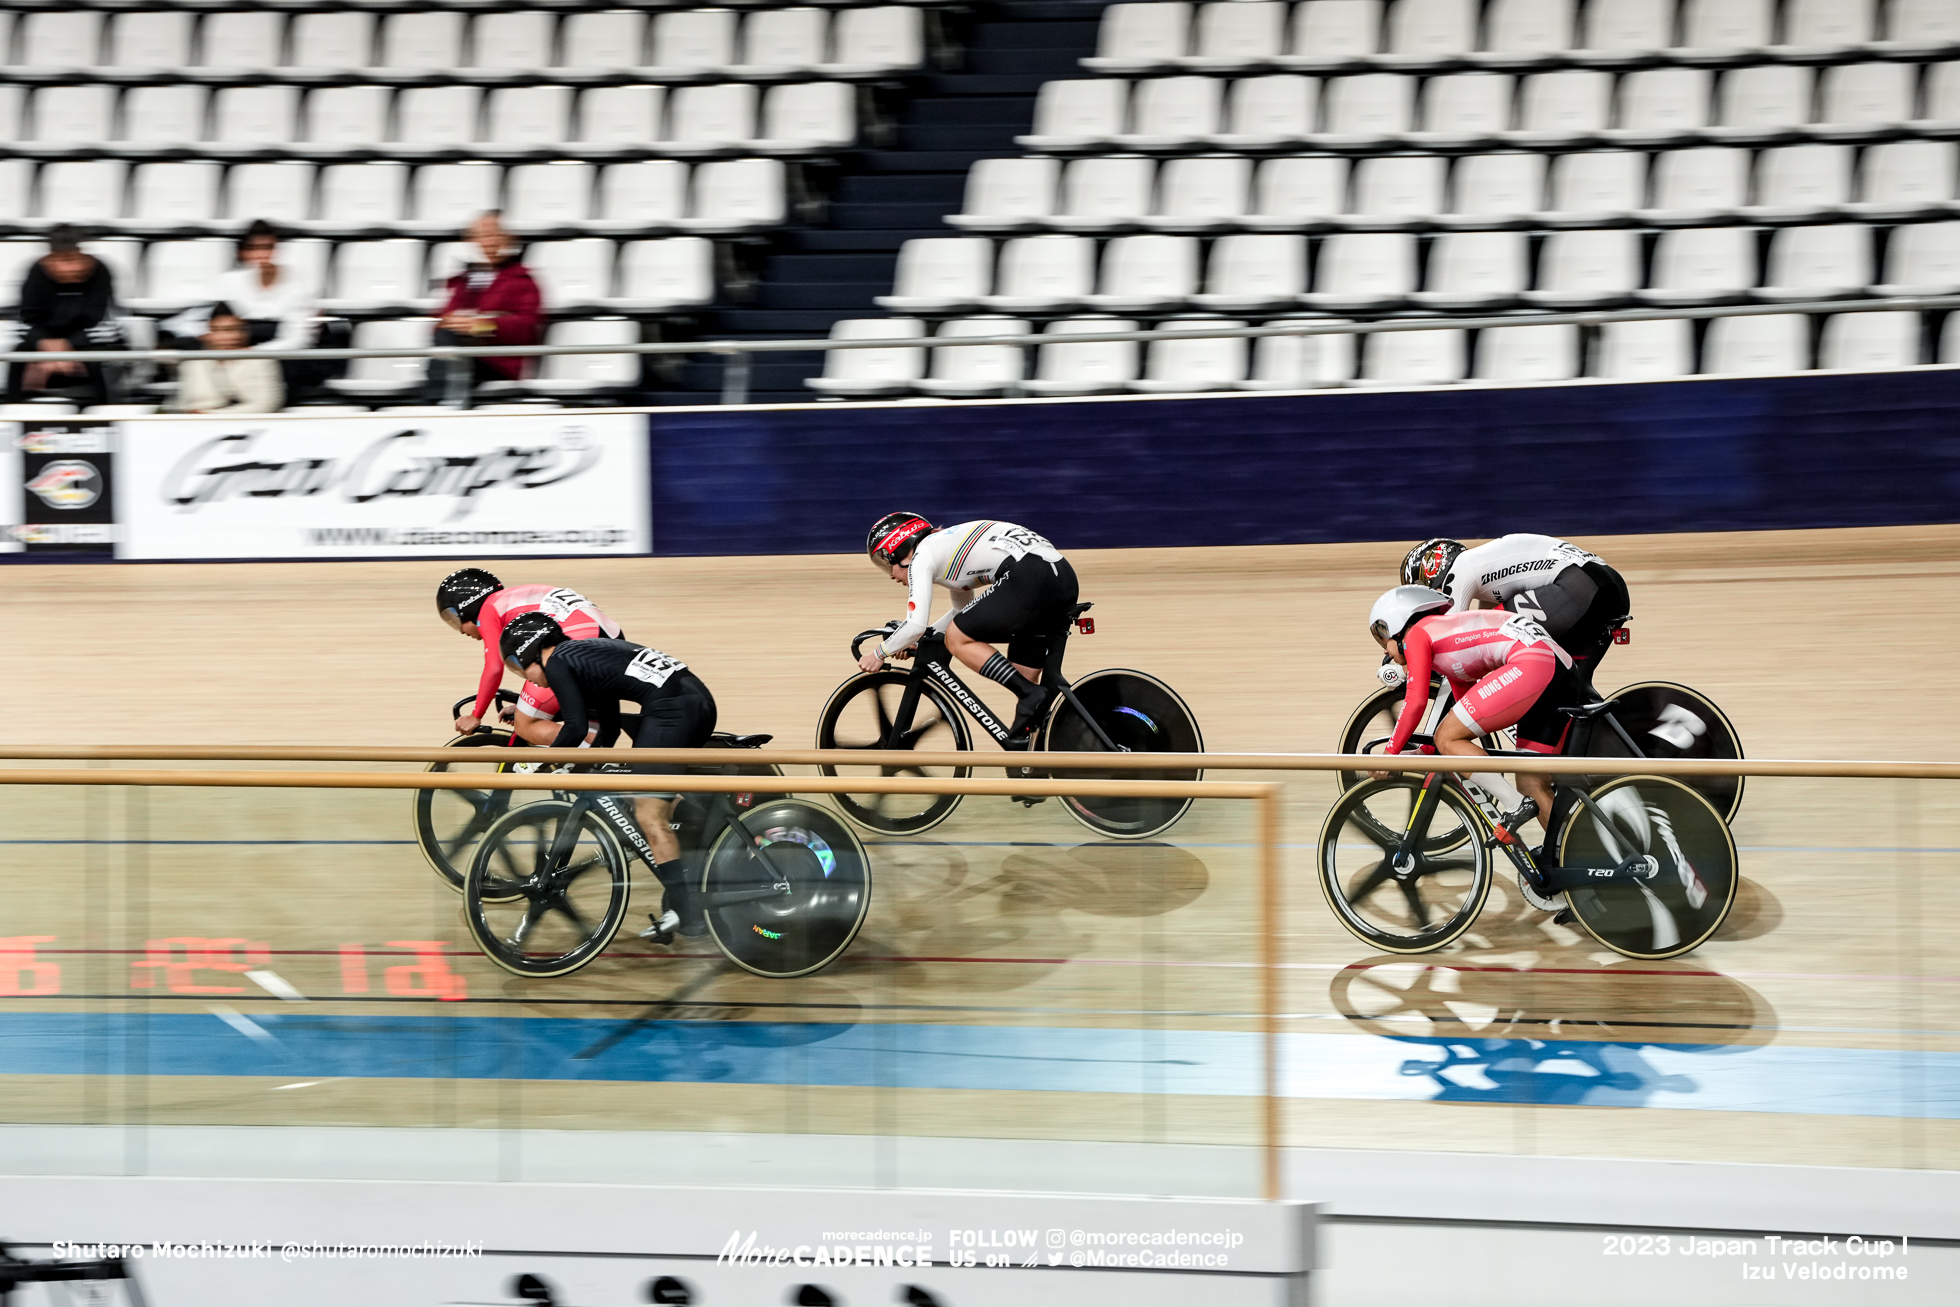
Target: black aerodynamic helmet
(1429, 563)
(460, 595)
(893, 537)
(526, 638)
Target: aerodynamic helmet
(1395, 612)
(526, 638)
(460, 595)
(1429, 563)
(894, 537)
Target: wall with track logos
(1818, 450)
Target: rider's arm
(571, 705)
(918, 604)
(493, 666)
(607, 716)
(1461, 584)
(1416, 649)
(961, 598)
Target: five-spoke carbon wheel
(1403, 887)
(859, 716)
(538, 909)
(790, 898)
(1139, 714)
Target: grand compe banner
(383, 486)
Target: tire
(1142, 715)
(1694, 882)
(1673, 721)
(539, 921)
(448, 823)
(1442, 896)
(858, 716)
(830, 879)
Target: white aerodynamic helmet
(1397, 610)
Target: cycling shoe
(663, 928)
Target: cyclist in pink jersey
(478, 605)
(1504, 670)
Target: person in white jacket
(229, 385)
(278, 302)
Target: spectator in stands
(229, 385)
(278, 305)
(66, 303)
(494, 302)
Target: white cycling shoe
(664, 929)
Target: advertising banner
(64, 471)
(384, 486)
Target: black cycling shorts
(1025, 609)
(680, 715)
(1543, 727)
(1579, 607)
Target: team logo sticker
(68, 483)
(1432, 564)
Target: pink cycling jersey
(579, 616)
(1497, 663)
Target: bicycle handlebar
(504, 699)
(881, 632)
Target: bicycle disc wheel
(859, 716)
(829, 879)
(1427, 902)
(1673, 721)
(535, 915)
(1690, 859)
(1139, 714)
(448, 823)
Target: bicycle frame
(930, 660)
(622, 819)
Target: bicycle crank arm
(1641, 866)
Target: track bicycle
(784, 884)
(1646, 864)
(448, 823)
(926, 709)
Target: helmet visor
(455, 620)
(510, 661)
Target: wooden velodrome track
(1838, 960)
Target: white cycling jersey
(961, 558)
(1506, 567)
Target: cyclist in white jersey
(1573, 594)
(1031, 590)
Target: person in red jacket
(495, 302)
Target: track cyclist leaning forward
(478, 605)
(1573, 594)
(1033, 587)
(1505, 670)
(590, 677)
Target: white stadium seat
(124, 257)
(1467, 106)
(1527, 27)
(1072, 115)
(1646, 351)
(1168, 113)
(1574, 102)
(442, 116)
(1263, 112)
(548, 196)
(626, 117)
(1254, 273)
(333, 41)
(1702, 265)
(1906, 178)
(61, 40)
(153, 39)
(569, 375)
(1414, 358)
(1370, 105)
(164, 195)
(1860, 97)
(1330, 30)
(1630, 25)
(1586, 269)
(1922, 259)
(692, 43)
(1865, 342)
(357, 195)
(16, 189)
(870, 42)
(708, 118)
(266, 116)
(13, 113)
(806, 117)
(1598, 185)
(1237, 34)
(871, 373)
(1363, 271)
(347, 116)
(664, 275)
(1301, 362)
(1043, 273)
(242, 40)
(941, 274)
(611, 40)
(1085, 367)
(1753, 101)
(776, 42)
(1139, 37)
(974, 371)
(1106, 194)
(737, 195)
(1828, 24)
(649, 194)
(1432, 28)
(1657, 104)
(1143, 274)
(1942, 91)
(1389, 192)
(275, 192)
(1699, 185)
(431, 41)
(572, 274)
(1179, 367)
(1490, 187)
(512, 42)
(178, 274)
(1205, 194)
(1726, 24)
(373, 276)
(1761, 346)
(1009, 194)
(1930, 21)
(1475, 270)
(387, 378)
(449, 196)
(89, 191)
(538, 116)
(164, 115)
(1298, 194)
(1531, 353)
(1798, 182)
(1818, 262)
(74, 115)
(16, 257)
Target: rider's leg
(975, 654)
(655, 816)
(1456, 740)
(682, 718)
(1501, 699)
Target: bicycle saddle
(743, 741)
(1078, 610)
(1588, 711)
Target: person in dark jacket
(66, 303)
(495, 302)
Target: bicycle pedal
(663, 928)
(1029, 800)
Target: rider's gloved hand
(1391, 674)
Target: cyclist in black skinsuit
(590, 677)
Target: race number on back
(653, 667)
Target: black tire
(829, 876)
(1694, 882)
(859, 716)
(1371, 724)
(1446, 886)
(448, 823)
(539, 920)
(1140, 714)
(1673, 721)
